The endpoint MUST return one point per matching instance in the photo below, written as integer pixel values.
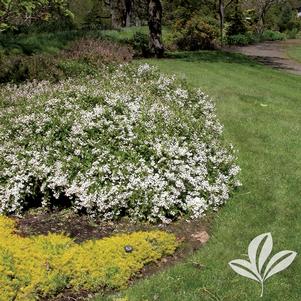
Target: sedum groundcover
(41, 266)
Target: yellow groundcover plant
(39, 266)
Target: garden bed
(190, 234)
(112, 155)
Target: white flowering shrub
(131, 143)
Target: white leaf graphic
(272, 269)
(253, 270)
(265, 251)
(253, 248)
(243, 268)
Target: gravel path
(272, 54)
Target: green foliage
(80, 9)
(238, 24)
(179, 9)
(240, 17)
(140, 44)
(98, 17)
(71, 67)
(252, 38)
(293, 34)
(15, 14)
(29, 44)
(270, 35)
(240, 39)
(21, 68)
(284, 18)
(196, 33)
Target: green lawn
(294, 52)
(261, 111)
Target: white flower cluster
(130, 143)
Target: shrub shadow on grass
(212, 57)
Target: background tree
(128, 12)
(117, 8)
(223, 5)
(155, 26)
(184, 9)
(16, 13)
(80, 9)
(237, 23)
(261, 8)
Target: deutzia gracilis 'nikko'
(131, 142)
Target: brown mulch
(191, 235)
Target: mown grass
(261, 110)
(126, 34)
(294, 52)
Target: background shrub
(270, 35)
(244, 39)
(196, 33)
(98, 51)
(239, 39)
(140, 44)
(21, 68)
(252, 38)
(293, 34)
(84, 57)
(237, 23)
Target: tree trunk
(128, 12)
(222, 20)
(155, 26)
(117, 8)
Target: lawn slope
(261, 111)
(294, 52)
